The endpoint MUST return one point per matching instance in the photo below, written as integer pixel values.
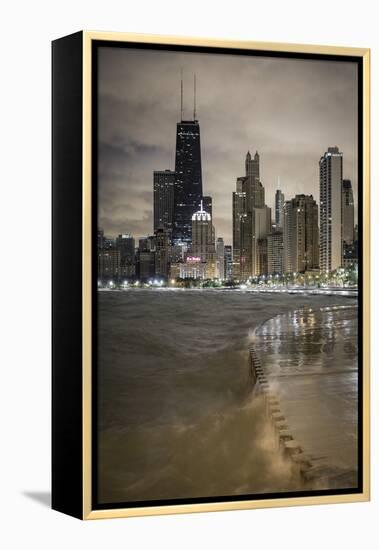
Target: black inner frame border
(96, 44)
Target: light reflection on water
(311, 360)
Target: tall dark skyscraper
(189, 184)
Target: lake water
(178, 414)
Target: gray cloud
(289, 110)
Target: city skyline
(132, 147)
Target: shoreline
(311, 469)
(332, 291)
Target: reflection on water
(310, 360)
(177, 413)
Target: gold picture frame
(84, 508)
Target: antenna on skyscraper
(181, 94)
(278, 182)
(194, 96)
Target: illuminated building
(164, 185)
(203, 245)
(220, 258)
(125, 244)
(331, 167)
(275, 252)
(347, 212)
(189, 185)
(301, 234)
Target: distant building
(125, 244)
(203, 245)
(279, 204)
(350, 254)
(261, 227)
(275, 252)
(162, 252)
(175, 270)
(207, 205)
(301, 234)
(262, 267)
(145, 265)
(220, 258)
(188, 186)
(228, 262)
(147, 244)
(164, 185)
(331, 169)
(239, 210)
(251, 221)
(347, 212)
(108, 264)
(103, 242)
(193, 268)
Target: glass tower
(189, 186)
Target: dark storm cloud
(289, 110)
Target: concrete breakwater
(304, 363)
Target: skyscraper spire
(181, 94)
(194, 96)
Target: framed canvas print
(210, 275)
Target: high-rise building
(261, 261)
(331, 172)
(228, 262)
(347, 212)
(251, 220)
(162, 252)
(203, 245)
(220, 258)
(146, 244)
(164, 185)
(251, 184)
(207, 205)
(108, 264)
(125, 244)
(275, 252)
(301, 234)
(239, 210)
(261, 227)
(245, 250)
(145, 265)
(189, 186)
(279, 204)
(350, 254)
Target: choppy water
(177, 414)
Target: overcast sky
(289, 110)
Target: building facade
(125, 244)
(189, 185)
(279, 205)
(347, 212)
(228, 262)
(203, 245)
(275, 252)
(331, 171)
(301, 234)
(220, 258)
(164, 186)
(162, 252)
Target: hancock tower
(189, 185)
